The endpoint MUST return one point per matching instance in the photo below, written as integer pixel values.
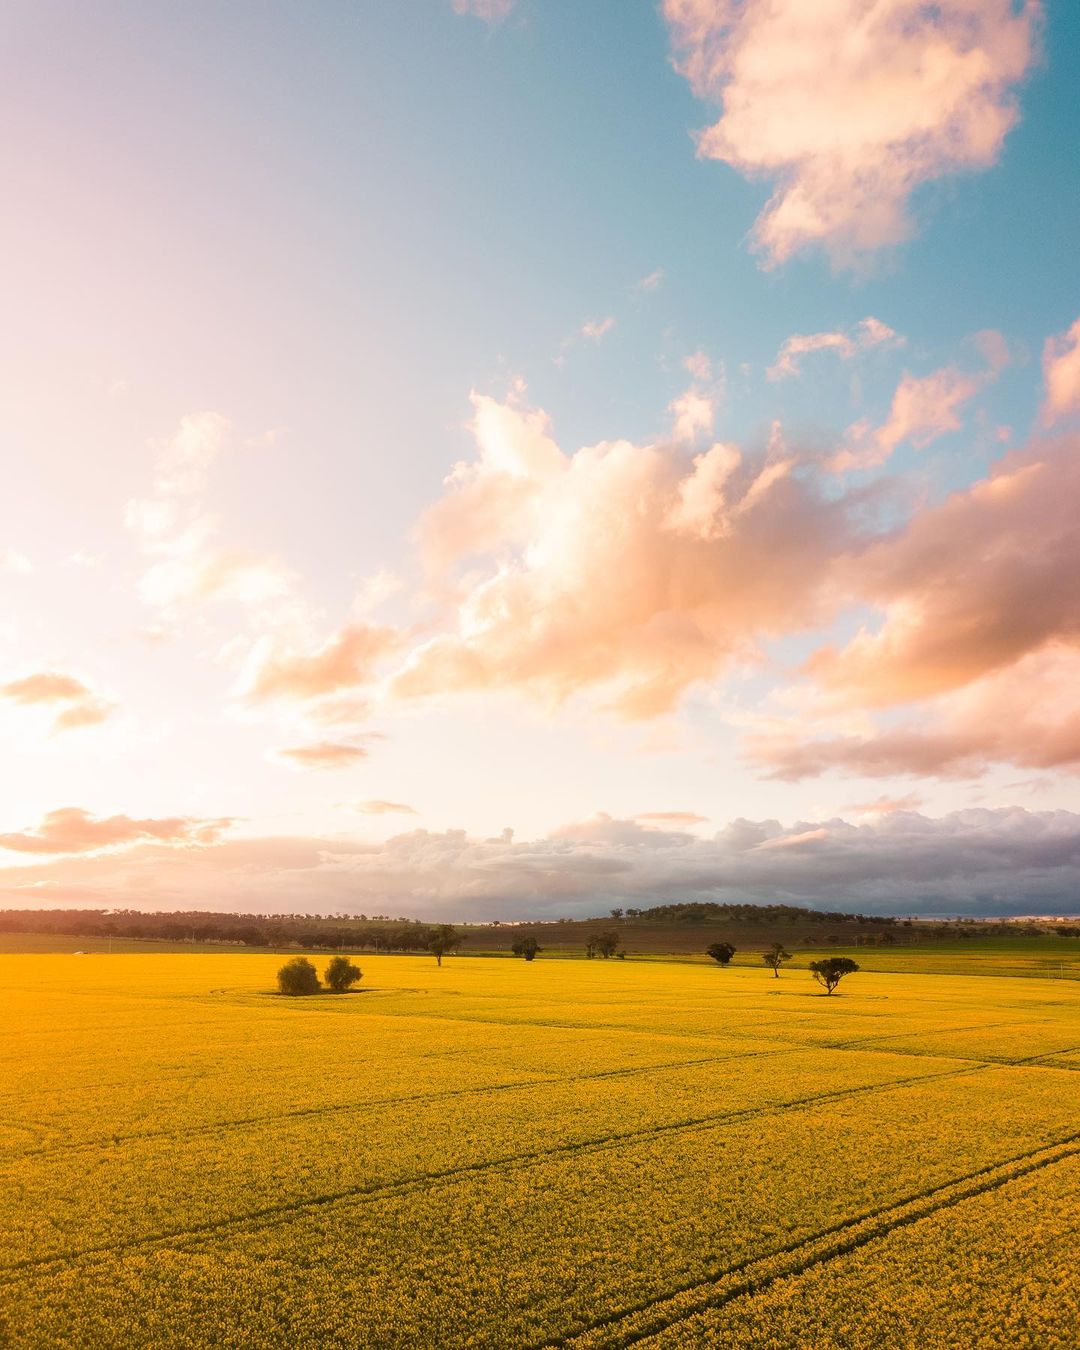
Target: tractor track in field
(862, 1045)
(273, 1215)
(640, 1322)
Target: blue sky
(310, 236)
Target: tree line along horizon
(298, 976)
(384, 933)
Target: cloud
(188, 566)
(699, 366)
(693, 416)
(596, 329)
(973, 658)
(347, 660)
(867, 333)
(672, 818)
(87, 712)
(322, 755)
(923, 408)
(885, 806)
(1004, 861)
(694, 410)
(968, 586)
(1027, 715)
(628, 571)
(849, 107)
(381, 808)
(1061, 375)
(593, 330)
(16, 563)
(78, 706)
(491, 11)
(184, 460)
(72, 830)
(44, 686)
(652, 282)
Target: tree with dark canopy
(443, 939)
(526, 947)
(604, 944)
(340, 975)
(775, 957)
(298, 976)
(721, 952)
(830, 971)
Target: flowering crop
(499, 1154)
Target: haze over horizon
(504, 458)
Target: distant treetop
(709, 911)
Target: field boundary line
(654, 1316)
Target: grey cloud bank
(978, 862)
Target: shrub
(298, 976)
(340, 975)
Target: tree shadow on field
(321, 996)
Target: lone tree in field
(443, 939)
(298, 976)
(775, 957)
(340, 975)
(721, 952)
(526, 947)
(604, 944)
(832, 970)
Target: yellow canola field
(562, 1153)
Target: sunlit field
(495, 1153)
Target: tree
(526, 947)
(721, 952)
(442, 939)
(832, 970)
(775, 957)
(298, 976)
(341, 974)
(605, 944)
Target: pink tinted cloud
(76, 704)
(967, 587)
(381, 808)
(628, 571)
(848, 107)
(86, 712)
(187, 565)
(347, 660)
(44, 686)
(672, 818)
(1061, 375)
(980, 630)
(1026, 715)
(491, 11)
(886, 806)
(322, 755)
(923, 408)
(72, 830)
(867, 333)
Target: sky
(500, 458)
